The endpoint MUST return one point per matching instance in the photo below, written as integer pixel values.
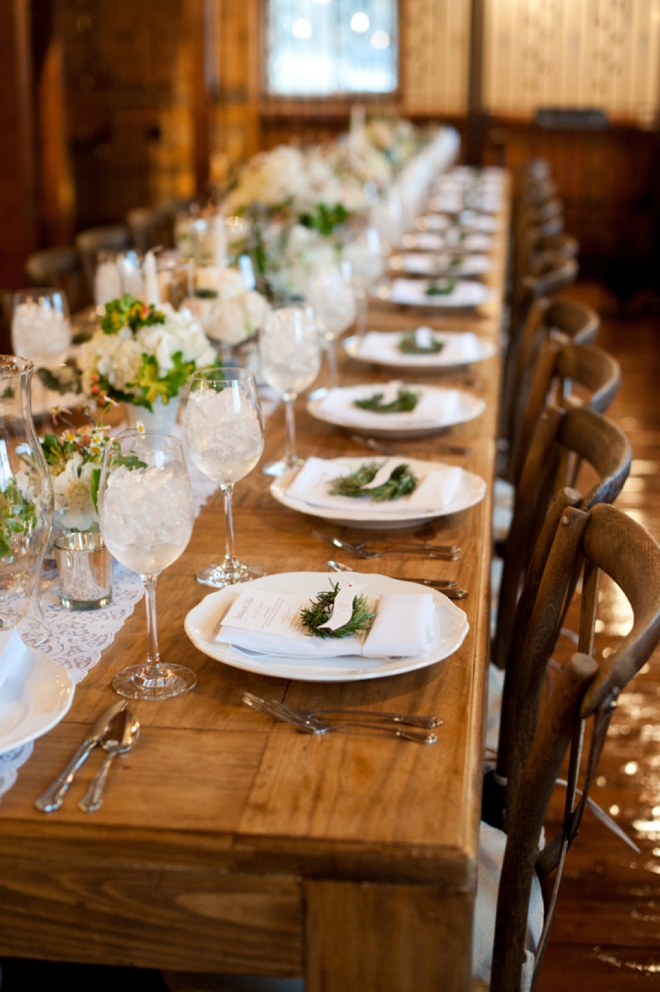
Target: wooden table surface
(229, 842)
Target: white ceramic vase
(161, 421)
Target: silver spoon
(119, 738)
(391, 449)
(450, 589)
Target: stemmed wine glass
(290, 355)
(41, 331)
(365, 255)
(225, 434)
(146, 516)
(331, 297)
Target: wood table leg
(367, 937)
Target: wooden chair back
(588, 436)
(95, 239)
(562, 367)
(150, 227)
(610, 542)
(62, 269)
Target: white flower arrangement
(74, 462)
(227, 310)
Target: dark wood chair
(95, 239)
(150, 227)
(534, 742)
(62, 269)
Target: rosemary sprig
(441, 288)
(401, 482)
(405, 401)
(320, 611)
(408, 345)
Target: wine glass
(146, 517)
(225, 434)
(366, 258)
(290, 355)
(41, 331)
(331, 297)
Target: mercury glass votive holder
(84, 565)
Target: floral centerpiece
(141, 355)
(228, 311)
(74, 462)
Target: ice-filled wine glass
(146, 516)
(41, 331)
(225, 434)
(330, 294)
(290, 354)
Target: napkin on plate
(437, 488)
(434, 406)
(413, 292)
(459, 349)
(13, 654)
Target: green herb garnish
(409, 345)
(436, 288)
(314, 616)
(401, 482)
(17, 516)
(405, 402)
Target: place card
(269, 612)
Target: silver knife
(53, 797)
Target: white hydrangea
(180, 332)
(117, 357)
(73, 494)
(271, 178)
(236, 313)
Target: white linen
(403, 628)
(436, 490)
(429, 264)
(435, 406)
(492, 844)
(459, 349)
(413, 292)
(14, 653)
(450, 239)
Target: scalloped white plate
(33, 699)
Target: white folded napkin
(13, 654)
(434, 406)
(437, 488)
(403, 628)
(413, 292)
(428, 264)
(459, 349)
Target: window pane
(329, 47)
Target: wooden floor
(606, 933)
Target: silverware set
(450, 589)
(443, 552)
(391, 449)
(116, 730)
(417, 729)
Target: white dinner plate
(33, 699)
(464, 294)
(450, 625)
(449, 240)
(344, 414)
(471, 490)
(393, 358)
(440, 264)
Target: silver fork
(362, 550)
(449, 589)
(313, 724)
(391, 449)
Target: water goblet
(146, 517)
(331, 297)
(41, 332)
(225, 434)
(366, 258)
(290, 355)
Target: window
(323, 48)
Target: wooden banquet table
(232, 843)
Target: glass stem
(290, 420)
(361, 307)
(332, 358)
(228, 490)
(153, 656)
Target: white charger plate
(450, 626)
(33, 699)
(367, 422)
(429, 363)
(472, 489)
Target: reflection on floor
(606, 933)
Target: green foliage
(320, 611)
(405, 402)
(441, 287)
(408, 345)
(325, 219)
(401, 482)
(17, 516)
(129, 312)
(62, 380)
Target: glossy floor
(606, 932)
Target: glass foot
(229, 574)
(282, 466)
(154, 681)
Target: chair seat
(492, 843)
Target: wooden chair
(570, 373)
(150, 227)
(62, 269)
(95, 239)
(583, 434)
(532, 748)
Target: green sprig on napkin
(401, 482)
(409, 345)
(405, 402)
(319, 612)
(441, 287)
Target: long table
(231, 843)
